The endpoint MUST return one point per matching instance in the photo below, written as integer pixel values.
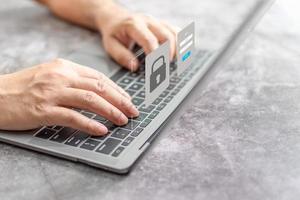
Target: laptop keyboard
(120, 137)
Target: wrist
(107, 13)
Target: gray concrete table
(240, 139)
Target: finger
(92, 73)
(70, 118)
(108, 93)
(121, 54)
(163, 34)
(140, 33)
(88, 100)
(174, 29)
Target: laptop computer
(120, 149)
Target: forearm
(89, 13)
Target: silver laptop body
(121, 161)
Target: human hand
(120, 28)
(44, 95)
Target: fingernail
(134, 111)
(133, 64)
(154, 46)
(123, 119)
(102, 130)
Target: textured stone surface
(240, 139)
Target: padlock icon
(158, 73)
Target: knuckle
(132, 21)
(113, 113)
(41, 108)
(89, 97)
(116, 115)
(124, 103)
(43, 87)
(149, 40)
(100, 86)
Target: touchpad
(101, 63)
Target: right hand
(44, 95)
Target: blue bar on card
(185, 56)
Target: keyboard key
(110, 126)
(168, 99)
(183, 74)
(135, 86)
(137, 101)
(146, 109)
(171, 87)
(131, 92)
(77, 138)
(181, 85)
(157, 101)
(90, 144)
(99, 118)
(122, 86)
(174, 79)
(120, 133)
(136, 132)
(141, 80)
(186, 79)
(133, 74)
(45, 133)
(141, 117)
(141, 94)
(108, 146)
(153, 114)
(164, 94)
(126, 81)
(192, 74)
(62, 135)
(98, 137)
(161, 106)
(145, 123)
(172, 67)
(127, 141)
(131, 124)
(77, 109)
(87, 114)
(118, 151)
(175, 92)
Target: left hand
(120, 28)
